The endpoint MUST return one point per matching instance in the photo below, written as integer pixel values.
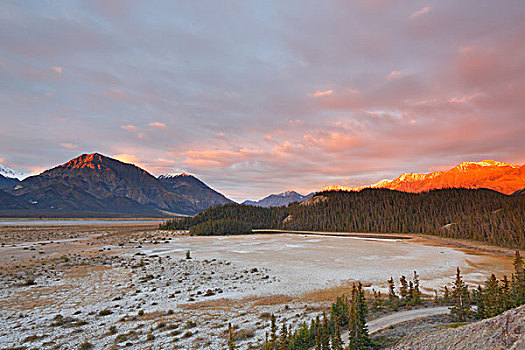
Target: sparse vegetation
(85, 346)
(105, 312)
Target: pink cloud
(69, 146)
(127, 158)
(467, 98)
(220, 158)
(395, 74)
(333, 142)
(117, 95)
(129, 127)
(322, 93)
(37, 170)
(158, 125)
(418, 13)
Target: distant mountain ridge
(94, 182)
(7, 181)
(188, 185)
(278, 200)
(490, 174)
(8, 177)
(10, 173)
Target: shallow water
(75, 222)
(304, 263)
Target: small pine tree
(506, 298)
(410, 295)
(337, 343)
(283, 339)
(417, 290)
(518, 281)
(273, 332)
(325, 334)
(460, 309)
(358, 338)
(480, 302)
(403, 290)
(391, 290)
(492, 298)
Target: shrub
(105, 312)
(85, 346)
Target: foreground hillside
(505, 331)
(482, 215)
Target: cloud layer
(261, 98)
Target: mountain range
(490, 174)
(278, 200)
(96, 183)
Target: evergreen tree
(318, 338)
(446, 295)
(506, 298)
(358, 337)
(417, 291)
(492, 298)
(410, 295)
(325, 334)
(403, 289)
(337, 343)
(460, 299)
(340, 310)
(302, 340)
(283, 339)
(478, 297)
(391, 290)
(273, 332)
(518, 281)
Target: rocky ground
(506, 331)
(94, 286)
(108, 288)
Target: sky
(259, 97)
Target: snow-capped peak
(172, 175)
(13, 174)
(287, 193)
(486, 163)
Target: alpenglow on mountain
(498, 176)
(96, 183)
(278, 200)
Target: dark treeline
(482, 215)
(221, 227)
(246, 217)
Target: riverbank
(465, 244)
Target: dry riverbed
(132, 286)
